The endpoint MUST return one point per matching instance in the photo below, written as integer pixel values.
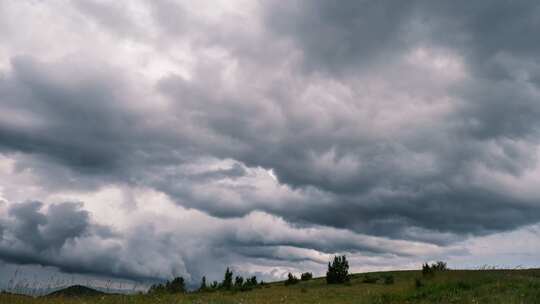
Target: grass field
(458, 286)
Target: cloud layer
(273, 132)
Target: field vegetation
(446, 286)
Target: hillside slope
(458, 286)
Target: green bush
(369, 279)
(388, 279)
(428, 269)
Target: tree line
(178, 285)
(338, 272)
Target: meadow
(453, 286)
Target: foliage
(370, 279)
(250, 283)
(203, 286)
(291, 279)
(176, 285)
(388, 279)
(338, 271)
(306, 276)
(227, 280)
(238, 282)
(453, 286)
(428, 269)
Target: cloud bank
(148, 139)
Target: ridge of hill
(75, 291)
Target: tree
(156, 288)
(338, 271)
(177, 285)
(306, 276)
(249, 284)
(252, 281)
(238, 282)
(440, 266)
(227, 280)
(291, 279)
(203, 284)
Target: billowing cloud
(264, 133)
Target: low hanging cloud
(65, 236)
(373, 128)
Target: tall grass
(453, 286)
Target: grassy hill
(457, 286)
(76, 291)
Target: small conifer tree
(227, 279)
(338, 270)
(203, 284)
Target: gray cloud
(63, 236)
(40, 232)
(405, 122)
(346, 36)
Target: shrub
(156, 288)
(306, 276)
(251, 282)
(338, 271)
(177, 285)
(291, 279)
(418, 283)
(439, 266)
(463, 285)
(388, 279)
(369, 279)
(238, 282)
(428, 269)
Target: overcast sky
(141, 140)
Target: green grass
(458, 286)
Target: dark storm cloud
(337, 36)
(63, 236)
(382, 196)
(323, 94)
(484, 31)
(342, 36)
(47, 231)
(80, 121)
